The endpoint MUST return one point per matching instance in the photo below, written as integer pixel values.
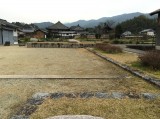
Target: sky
(35, 11)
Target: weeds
(108, 48)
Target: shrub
(98, 36)
(151, 59)
(116, 42)
(130, 42)
(25, 39)
(108, 48)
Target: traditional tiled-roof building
(60, 30)
(7, 32)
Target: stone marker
(75, 117)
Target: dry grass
(124, 58)
(108, 109)
(14, 93)
(129, 59)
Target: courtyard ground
(29, 61)
(52, 61)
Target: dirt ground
(16, 60)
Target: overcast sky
(30, 11)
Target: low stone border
(58, 77)
(138, 73)
(75, 117)
(38, 98)
(57, 45)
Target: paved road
(123, 46)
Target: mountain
(92, 23)
(117, 19)
(43, 25)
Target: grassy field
(14, 92)
(108, 109)
(131, 59)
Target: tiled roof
(7, 24)
(155, 12)
(58, 26)
(76, 28)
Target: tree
(104, 28)
(99, 31)
(138, 24)
(118, 31)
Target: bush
(108, 48)
(116, 42)
(130, 42)
(98, 36)
(151, 59)
(25, 39)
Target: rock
(27, 110)
(149, 96)
(57, 95)
(19, 117)
(86, 95)
(71, 95)
(118, 95)
(35, 101)
(102, 95)
(75, 117)
(40, 95)
(133, 95)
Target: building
(39, 34)
(8, 32)
(126, 33)
(78, 29)
(59, 30)
(148, 32)
(157, 29)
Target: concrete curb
(137, 73)
(58, 77)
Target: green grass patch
(146, 69)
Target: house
(157, 29)
(30, 31)
(59, 30)
(126, 33)
(80, 32)
(78, 29)
(39, 34)
(8, 32)
(148, 32)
